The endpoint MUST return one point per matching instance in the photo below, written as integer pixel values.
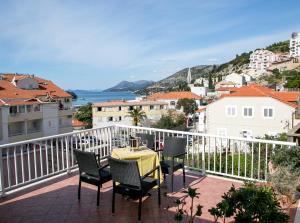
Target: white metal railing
(236, 157)
(26, 162)
(31, 161)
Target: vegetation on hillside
(239, 60)
(291, 78)
(85, 114)
(279, 47)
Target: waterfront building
(171, 98)
(32, 107)
(117, 112)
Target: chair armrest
(102, 167)
(151, 171)
(178, 155)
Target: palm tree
(137, 115)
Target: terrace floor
(56, 201)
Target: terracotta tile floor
(56, 201)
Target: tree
(172, 120)
(189, 105)
(137, 115)
(210, 81)
(85, 114)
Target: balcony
(39, 177)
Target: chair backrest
(149, 138)
(174, 146)
(125, 172)
(87, 162)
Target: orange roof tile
(9, 90)
(128, 103)
(77, 123)
(255, 90)
(174, 95)
(231, 89)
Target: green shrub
(250, 203)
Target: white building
(31, 107)
(262, 59)
(117, 112)
(238, 79)
(252, 111)
(171, 98)
(295, 45)
(200, 91)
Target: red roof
(255, 90)
(173, 95)
(77, 123)
(46, 87)
(227, 89)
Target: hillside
(129, 86)
(238, 64)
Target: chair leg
(140, 208)
(98, 195)
(183, 169)
(79, 189)
(158, 191)
(172, 180)
(113, 202)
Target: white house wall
(218, 122)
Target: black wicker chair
(127, 181)
(174, 148)
(149, 139)
(90, 172)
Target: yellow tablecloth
(147, 159)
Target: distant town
(254, 95)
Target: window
(37, 108)
(141, 107)
(161, 107)
(110, 119)
(22, 109)
(248, 112)
(28, 108)
(231, 110)
(99, 109)
(151, 107)
(172, 103)
(120, 108)
(120, 118)
(130, 108)
(13, 109)
(268, 112)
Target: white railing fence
(241, 158)
(30, 161)
(27, 162)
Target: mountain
(130, 86)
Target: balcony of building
(39, 177)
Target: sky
(95, 44)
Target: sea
(85, 97)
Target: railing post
(203, 155)
(67, 155)
(2, 187)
